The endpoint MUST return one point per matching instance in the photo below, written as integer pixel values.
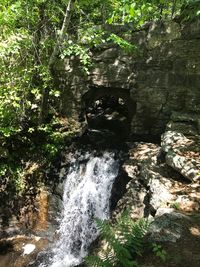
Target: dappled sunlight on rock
(182, 154)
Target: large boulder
(182, 154)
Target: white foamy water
(87, 192)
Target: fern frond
(95, 261)
(125, 240)
(105, 229)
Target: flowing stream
(86, 196)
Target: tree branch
(53, 57)
(62, 34)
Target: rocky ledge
(165, 187)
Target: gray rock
(187, 167)
(167, 226)
(174, 144)
(170, 138)
(159, 194)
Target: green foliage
(28, 35)
(190, 10)
(159, 252)
(79, 51)
(139, 12)
(12, 178)
(91, 35)
(54, 141)
(127, 46)
(175, 205)
(91, 39)
(125, 241)
(53, 137)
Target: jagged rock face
(164, 185)
(20, 250)
(182, 154)
(151, 181)
(162, 79)
(31, 232)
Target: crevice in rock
(147, 138)
(119, 188)
(5, 247)
(177, 176)
(148, 208)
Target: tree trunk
(62, 36)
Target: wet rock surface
(20, 250)
(31, 232)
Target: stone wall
(162, 77)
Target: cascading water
(87, 193)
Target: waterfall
(87, 192)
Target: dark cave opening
(108, 113)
